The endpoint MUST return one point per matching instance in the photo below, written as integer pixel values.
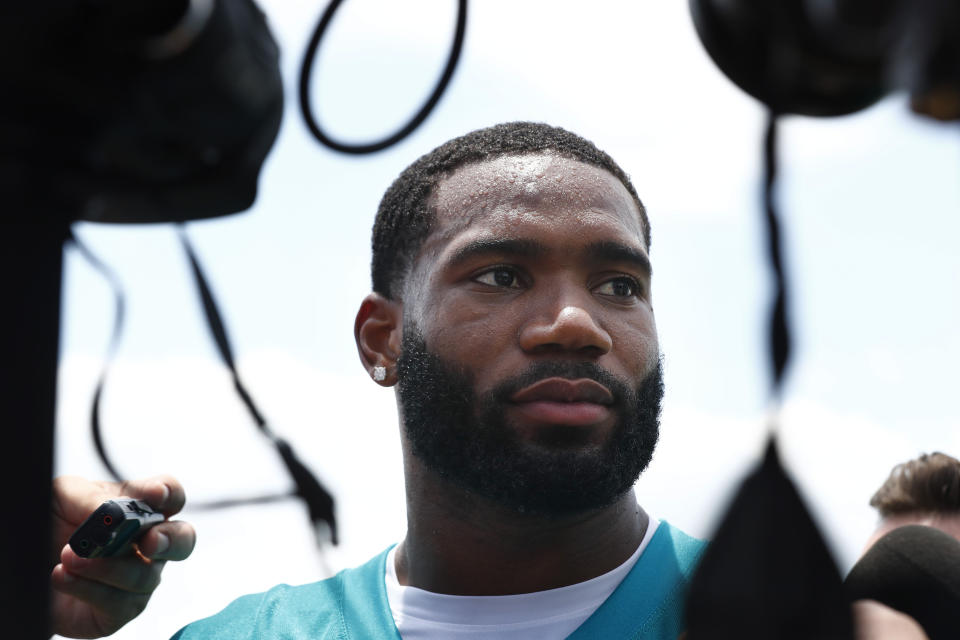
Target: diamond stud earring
(379, 373)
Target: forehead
(535, 192)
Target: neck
(461, 544)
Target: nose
(572, 328)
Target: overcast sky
(869, 202)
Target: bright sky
(869, 202)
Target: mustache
(538, 371)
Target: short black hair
(406, 216)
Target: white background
(870, 205)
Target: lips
(564, 390)
(560, 401)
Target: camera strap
(779, 321)
(319, 501)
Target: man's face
(529, 371)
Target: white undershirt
(546, 615)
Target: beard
(467, 440)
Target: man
(512, 311)
(906, 585)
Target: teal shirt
(353, 604)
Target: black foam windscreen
(836, 57)
(767, 572)
(914, 569)
(97, 125)
(779, 53)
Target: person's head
(925, 490)
(512, 308)
(904, 585)
(408, 210)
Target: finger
(124, 573)
(171, 540)
(116, 603)
(75, 498)
(163, 492)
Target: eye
(621, 287)
(499, 277)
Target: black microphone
(914, 569)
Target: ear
(378, 330)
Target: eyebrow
(609, 251)
(498, 246)
(603, 251)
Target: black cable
(318, 500)
(780, 341)
(407, 129)
(119, 313)
(320, 503)
(219, 332)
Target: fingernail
(166, 496)
(163, 543)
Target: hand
(92, 598)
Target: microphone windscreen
(914, 569)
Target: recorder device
(112, 527)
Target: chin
(566, 437)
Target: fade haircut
(929, 484)
(406, 215)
